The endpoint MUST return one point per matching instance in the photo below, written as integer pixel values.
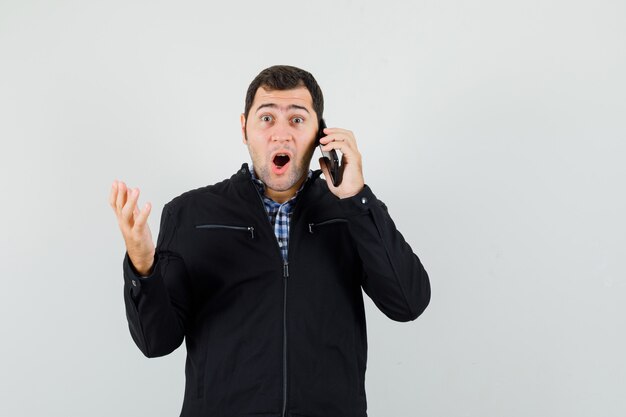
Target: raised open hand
(134, 226)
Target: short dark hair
(286, 77)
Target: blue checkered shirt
(278, 214)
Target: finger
(113, 195)
(121, 197)
(142, 218)
(345, 145)
(349, 156)
(335, 148)
(339, 131)
(338, 146)
(131, 203)
(135, 213)
(337, 138)
(328, 139)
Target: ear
(243, 128)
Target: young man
(261, 274)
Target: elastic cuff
(133, 278)
(359, 203)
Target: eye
(297, 120)
(266, 118)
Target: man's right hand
(134, 226)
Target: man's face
(280, 133)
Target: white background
(494, 130)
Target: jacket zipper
(248, 229)
(285, 276)
(324, 223)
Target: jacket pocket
(247, 229)
(329, 222)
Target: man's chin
(283, 182)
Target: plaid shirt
(278, 214)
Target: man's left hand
(351, 170)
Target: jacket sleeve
(157, 306)
(394, 277)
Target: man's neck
(283, 196)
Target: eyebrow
(275, 106)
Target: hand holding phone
(330, 157)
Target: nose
(281, 137)
(281, 133)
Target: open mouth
(281, 159)
(280, 162)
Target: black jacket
(264, 337)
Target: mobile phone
(331, 157)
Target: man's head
(285, 77)
(279, 126)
